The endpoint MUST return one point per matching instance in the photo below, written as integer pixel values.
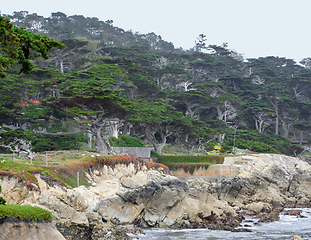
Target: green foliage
(187, 96)
(34, 112)
(25, 212)
(2, 201)
(188, 168)
(189, 159)
(254, 141)
(82, 138)
(153, 112)
(19, 46)
(189, 163)
(255, 146)
(125, 141)
(154, 154)
(43, 142)
(97, 81)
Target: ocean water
(285, 228)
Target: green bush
(255, 146)
(188, 168)
(154, 154)
(190, 163)
(24, 212)
(125, 141)
(43, 142)
(190, 159)
(257, 142)
(2, 201)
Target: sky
(254, 28)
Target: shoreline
(121, 197)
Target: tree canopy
(18, 45)
(110, 80)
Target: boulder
(257, 207)
(130, 183)
(14, 228)
(296, 237)
(118, 211)
(300, 188)
(61, 211)
(16, 191)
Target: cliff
(263, 186)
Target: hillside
(109, 82)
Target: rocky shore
(121, 198)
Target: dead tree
(19, 146)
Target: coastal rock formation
(167, 203)
(263, 186)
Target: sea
(285, 228)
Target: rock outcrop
(26, 230)
(263, 186)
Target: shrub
(255, 146)
(154, 154)
(43, 142)
(2, 201)
(190, 163)
(188, 168)
(24, 212)
(254, 141)
(125, 141)
(190, 159)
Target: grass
(25, 212)
(62, 167)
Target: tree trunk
(160, 148)
(259, 126)
(285, 129)
(277, 125)
(61, 66)
(190, 150)
(221, 137)
(150, 136)
(256, 124)
(106, 140)
(114, 129)
(126, 128)
(301, 137)
(277, 119)
(220, 114)
(100, 145)
(89, 140)
(295, 138)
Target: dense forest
(108, 84)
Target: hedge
(190, 159)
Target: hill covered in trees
(108, 81)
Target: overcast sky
(254, 28)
